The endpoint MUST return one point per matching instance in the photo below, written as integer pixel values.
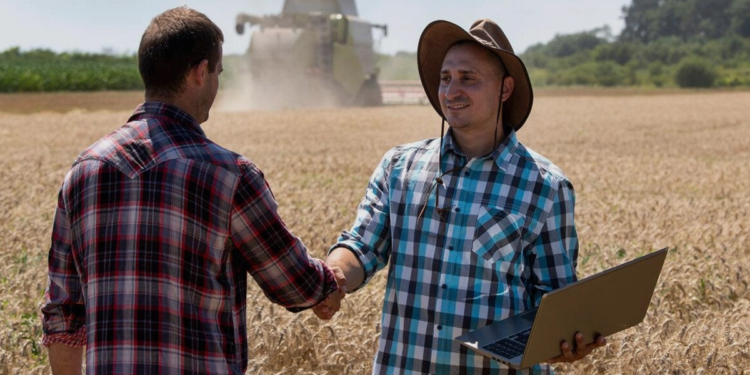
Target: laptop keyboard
(510, 347)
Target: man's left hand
(581, 350)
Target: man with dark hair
(157, 227)
(168, 50)
(474, 227)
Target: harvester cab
(316, 52)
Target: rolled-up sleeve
(63, 309)
(555, 250)
(370, 238)
(277, 260)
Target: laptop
(602, 304)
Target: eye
(445, 78)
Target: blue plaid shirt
(504, 237)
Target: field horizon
(126, 100)
(650, 170)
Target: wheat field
(650, 171)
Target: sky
(117, 26)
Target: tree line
(685, 43)
(665, 43)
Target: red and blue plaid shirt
(155, 231)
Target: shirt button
(440, 327)
(458, 209)
(450, 247)
(445, 286)
(467, 173)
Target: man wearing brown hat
(474, 226)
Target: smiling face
(469, 90)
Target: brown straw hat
(439, 36)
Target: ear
(508, 85)
(199, 73)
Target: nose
(451, 90)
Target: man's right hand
(328, 308)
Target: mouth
(454, 107)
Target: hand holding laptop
(584, 311)
(581, 349)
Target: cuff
(75, 339)
(359, 255)
(329, 287)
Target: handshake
(328, 308)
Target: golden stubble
(649, 172)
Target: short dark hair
(173, 43)
(498, 68)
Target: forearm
(346, 260)
(65, 360)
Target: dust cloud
(276, 91)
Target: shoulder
(228, 159)
(406, 154)
(142, 144)
(111, 144)
(536, 165)
(172, 140)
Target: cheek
(441, 98)
(441, 93)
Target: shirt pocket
(498, 235)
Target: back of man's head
(175, 42)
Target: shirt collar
(501, 155)
(151, 109)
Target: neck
(475, 143)
(182, 102)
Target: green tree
(649, 20)
(571, 44)
(740, 24)
(695, 73)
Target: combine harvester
(315, 53)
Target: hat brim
(436, 40)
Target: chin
(458, 123)
(203, 118)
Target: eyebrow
(462, 71)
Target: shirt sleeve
(555, 250)
(277, 260)
(369, 238)
(63, 309)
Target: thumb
(340, 277)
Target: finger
(600, 341)
(581, 347)
(323, 309)
(321, 315)
(334, 303)
(329, 314)
(340, 277)
(567, 351)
